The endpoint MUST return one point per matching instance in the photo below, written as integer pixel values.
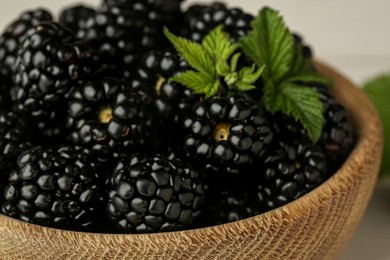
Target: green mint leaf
(270, 43)
(286, 72)
(242, 86)
(311, 78)
(244, 79)
(303, 103)
(234, 61)
(194, 53)
(210, 63)
(218, 43)
(198, 82)
(378, 89)
(222, 66)
(250, 75)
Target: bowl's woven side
(313, 227)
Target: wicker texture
(316, 226)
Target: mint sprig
(287, 73)
(214, 64)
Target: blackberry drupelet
(75, 17)
(152, 194)
(290, 170)
(199, 20)
(49, 63)
(14, 138)
(226, 133)
(111, 118)
(56, 188)
(13, 37)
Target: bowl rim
(366, 129)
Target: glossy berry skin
(153, 194)
(226, 133)
(14, 139)
(111, 118)
(56, 188)
(289, 171)
(199, 20)
(48, 65)
(14, 35)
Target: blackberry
(169, 100)
(199, 20)
(14, 139)
(226, 133)
(14, 35)
(338, 136)
(56, 188)
(111, 118)
(10, 41)
(111, 35)
(149, 18)
(151, 194)
(290, 170)
(122, 30)
(48, 64)
(286, 127)
(228, 200)
(75, 17)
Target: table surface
(350, 35)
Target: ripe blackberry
(111, 35)
(199, 20)
(151, 194)
(338, 136)
(75, 17)
(149, 18)
(111, 118)
(13, 37)
(228, 200)
(226, 133)
(14, 138)
(169, 100)
(48, 64)
(56, 188)
(290, 170)
(122, 30)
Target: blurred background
(352, 36)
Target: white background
(352, 36)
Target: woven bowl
(316, 226)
